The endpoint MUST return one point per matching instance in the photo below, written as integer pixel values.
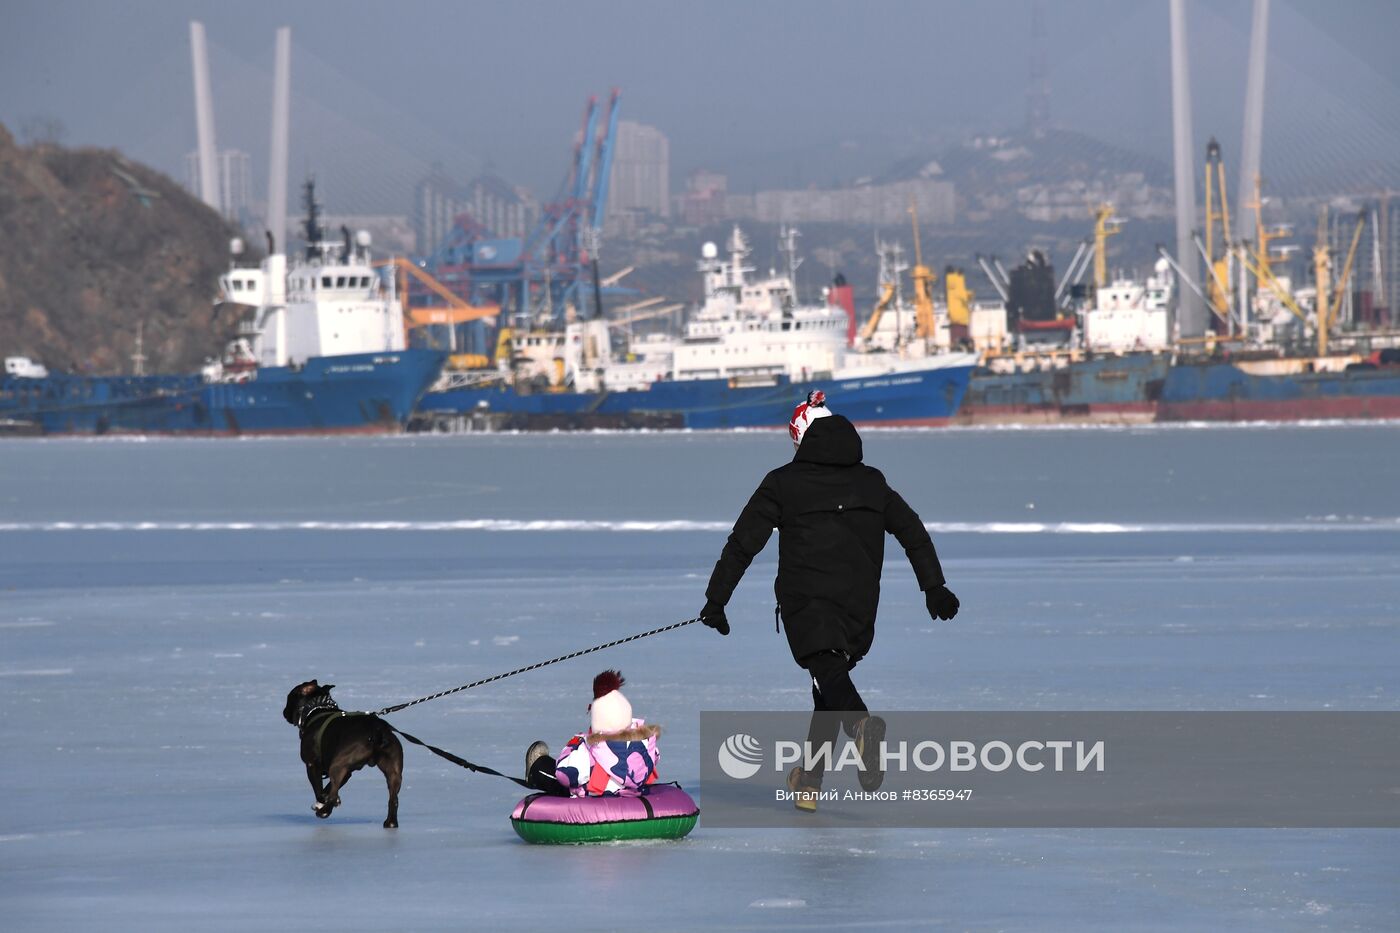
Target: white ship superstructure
(756, 330)
(1130, 314)
(330, 302)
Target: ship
(1284, 388)
(1101, 357)
(1071, 352)
(747, 355)
(321, 349)
(1047, 354)
(1276, 352)
(1106, 352)
(1102, 389)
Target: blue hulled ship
(321, 349)
(744, 359)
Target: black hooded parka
(832, 513)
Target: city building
(641, 172)
(703, 201)
(497, 207)
(1129, 192)
(1370, 293)
(505, 210)
(860, 204)
(437, 200)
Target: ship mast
(923, 281)
(312, 224)
(138, 358)
(1322, 273)
(787, 245)
(738, 250)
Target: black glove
(713, 616)
(942, 604)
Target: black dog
(336, 744)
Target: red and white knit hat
(609, 711)
(806, 413)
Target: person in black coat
(832, 513)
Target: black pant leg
(822, 730)
(831, 675)
(835, 705)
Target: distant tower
(281, 129)
(1038, 94)
(1190, 314)
(1253, 118)
(204, 119)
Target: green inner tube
(665, 827)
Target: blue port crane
(605, 160)
(542, 273)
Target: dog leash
(329, 714)
(460, 762)
(519, 670)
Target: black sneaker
(870, 733)
(534, 753)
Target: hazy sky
(772, 92)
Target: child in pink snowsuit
(616, 756)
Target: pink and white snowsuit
(617, 763)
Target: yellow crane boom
(1105, 226)
(872, 324)
(617, 276)
(1217, 210)
(1266, 276)
(638, 305)
(1346, 267)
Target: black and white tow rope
(535, 666)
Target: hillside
(91, 245)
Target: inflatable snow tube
(663, 812)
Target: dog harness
(318, 717)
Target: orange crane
(456, 312)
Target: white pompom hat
(609, 712)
